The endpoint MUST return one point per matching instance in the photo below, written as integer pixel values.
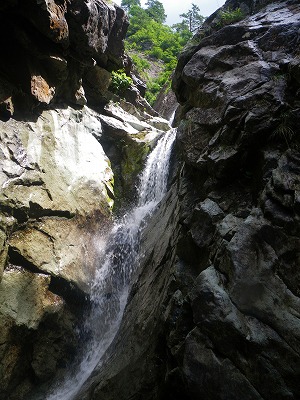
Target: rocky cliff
(70, 151)
(214, 310)
(239, 138)
(51, 47)
(226, 319)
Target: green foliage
(138, 19)
(127, 4)
(156, 11)
(193, 19)
(120, 81)
(285, 129)
(140, 63)
(158, 40)
(230, 16)
(155, 85)
(155, 42)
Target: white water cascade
(120, 259)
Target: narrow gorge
(140, 261)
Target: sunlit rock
(58, 166)
(25, 297)
(54, 169)
(59, 246)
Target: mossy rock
(134, 154)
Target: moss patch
(134, 155)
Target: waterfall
(120, 259)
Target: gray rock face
(56, 199)
(56, 190)
(235, 94)
(214, 311)
(166, 102)
(49, 47)
(228, 325)
(238, 137)
(55, 171)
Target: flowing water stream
(120, 259)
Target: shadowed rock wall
(228, 325)
(238, 86)
(50, 48)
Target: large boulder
(56, 196)
(37, 332)
(55, 171)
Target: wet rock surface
(239, 139)
(62, 168)
(58, 188)
(228, 325)
(214, 311)
(135, 361)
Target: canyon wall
(214, 309)
(238, 86)
(227, 325)
(70, 153)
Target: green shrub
(229, 16)
(156, 52)
(140, 63)
(285, 130)
(120, 81)
(160, 43)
